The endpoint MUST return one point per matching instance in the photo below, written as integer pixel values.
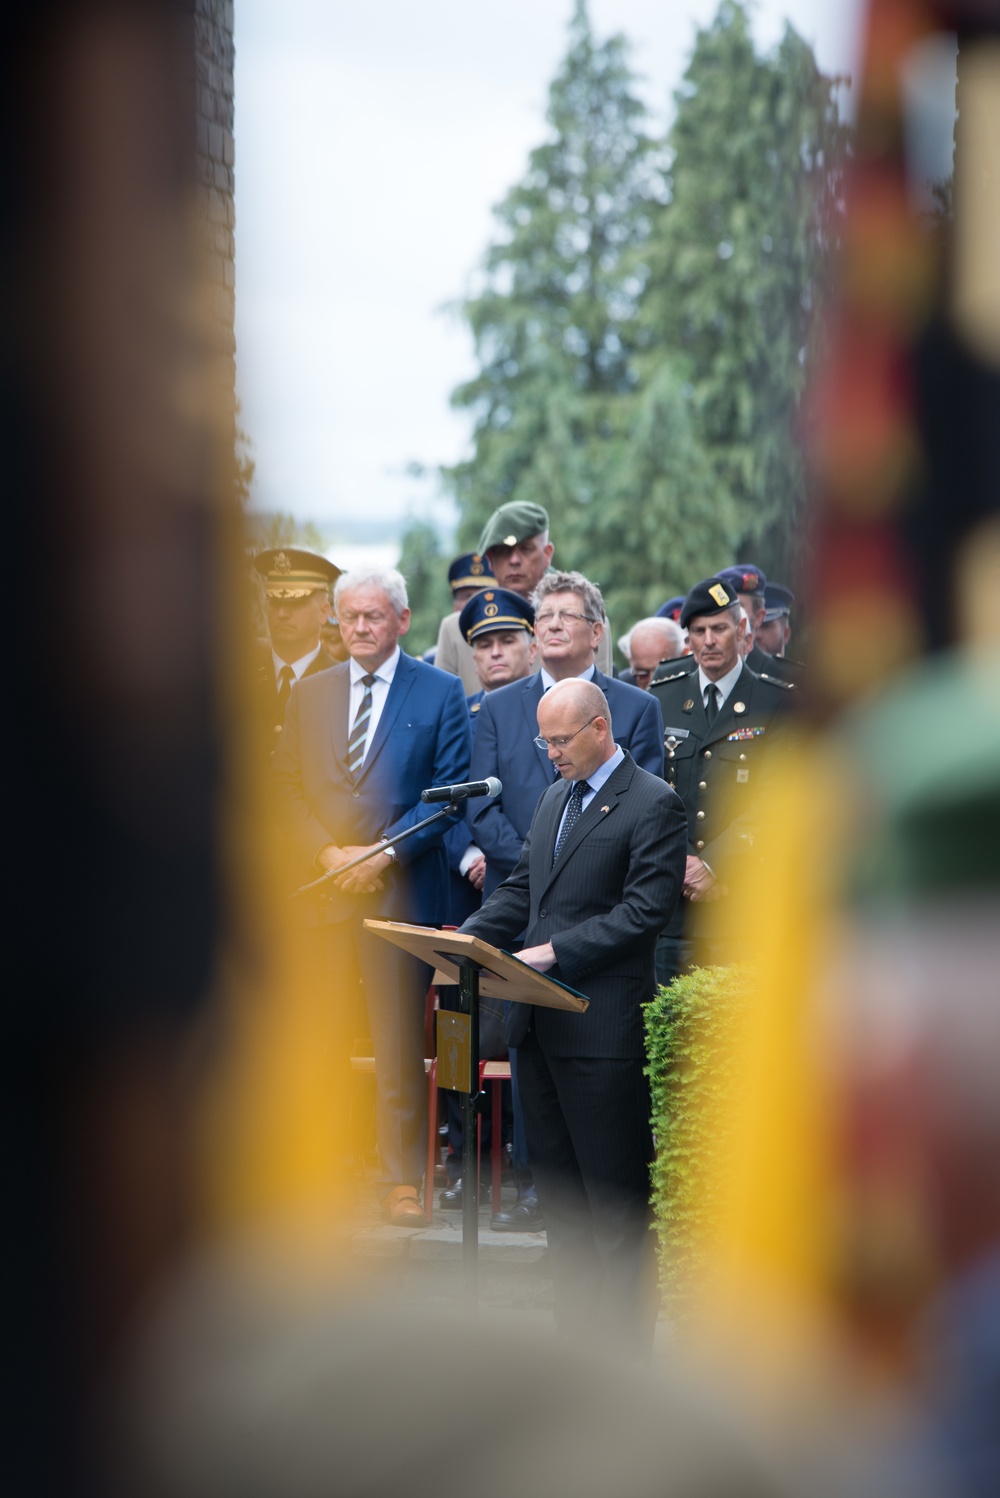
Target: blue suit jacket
(422, 739)
(504, 746)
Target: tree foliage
(556, 323)
(425, 569)
(643, 326)
(738, 261)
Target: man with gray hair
(360, 743)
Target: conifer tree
(738, 260)
(555, 322)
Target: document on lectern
(502, 976)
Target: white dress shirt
(297, 666)
(380, 691)
(724, 685)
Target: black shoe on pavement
(450, 1200)
(523, 1217)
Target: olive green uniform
(719, 771)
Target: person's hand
(540, 958)
(331, 857)
(476, 872)
(366, 878)
(699, 881)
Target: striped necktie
(574, 807)
(359, 733)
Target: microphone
(491, 788)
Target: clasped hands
(363, 880)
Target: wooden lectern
(476, 968)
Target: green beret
(513, 523)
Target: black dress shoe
(450, 1200)
(523, 1217)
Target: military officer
(499, 627)
(721, 724)
(297, 587)
(774, 633)
(751, 586)
(467, 575)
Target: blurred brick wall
(213, 58)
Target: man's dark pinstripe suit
(586, 1101)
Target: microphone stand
(452, 808)
(473, 1098)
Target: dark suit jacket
(615, 886)
(422, 739)
(504, 746)
(270, 715)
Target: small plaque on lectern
(454, 1041)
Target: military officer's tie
(573, 809)
(359, 733)
(711, 702)
(285, 678)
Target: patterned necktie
(359, 733)
(711, 702)
(574, 807)
(285, 678)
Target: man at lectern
(600, 875)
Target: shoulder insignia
(776, 681)
(674, 676)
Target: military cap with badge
(471, 570)
(493, 609)
(671, 609)
(290, 572)
(513, 523)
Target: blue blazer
(504, 746)
(422, 739)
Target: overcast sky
(371, 143)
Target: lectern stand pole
(471, 1108)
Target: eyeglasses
(561, 743)
(558, 616)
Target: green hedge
(693, 1046)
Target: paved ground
(423, 1267)
(426, 1264)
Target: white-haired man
(647, 644)
(361, 741)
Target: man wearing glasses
(599, 876)
(569, 613)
